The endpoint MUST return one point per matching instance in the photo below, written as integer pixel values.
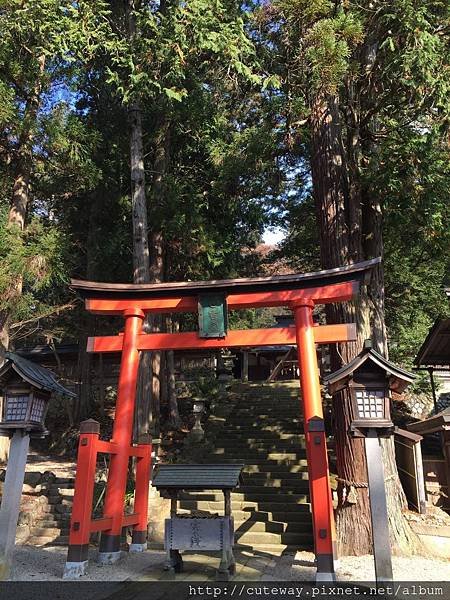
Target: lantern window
(37, 410)
(16, 408)
(370, 404)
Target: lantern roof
(33, 374)
(399, 379)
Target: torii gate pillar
(316, 447)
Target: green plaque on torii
(212, 316)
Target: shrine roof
(200, 477)
(355, 272)
(435, 350)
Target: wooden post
(109, 551)
(316, 448)
(143, 466)
(80, 522)
(12, 492)
(227, 501)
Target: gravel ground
(47, 564)
(360, 568)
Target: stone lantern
(198, 409)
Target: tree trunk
(174, 414)
(158, 192)
(339, 209)
(20, 194)
(141, 257)
(141, 261)
(19, 206)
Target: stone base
(73, 570)
(324, 576)
(109, 558)
(137, 547)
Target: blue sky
(273, 235)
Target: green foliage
(252, 318)
(235, 87)
(169, 44)
(38, 256)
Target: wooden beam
(338, 292)
(279, 365)
(278, 336)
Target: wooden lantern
(26, 391)
(370, 378)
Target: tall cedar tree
(342, 64)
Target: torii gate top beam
(332, 285)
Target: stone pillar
(12, 492)
(245, 366)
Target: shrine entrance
(212, 299)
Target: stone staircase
(271, 508)
(53, 525)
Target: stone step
(252, 436)
(63, 523)
(267, 430)
(291, 404)
(255, 463)
(302, 487)
(62, 486)
(63, 540)
(265, 505)
(58, 509)
(298, 487)
(273, 526)
(57, 497)
(267, 479)
(273, 468)
(275, 549)
(271, 496)
(261, 446)
(59, 500)
(257, 399)
(300, 514)
(268, 409)
(45, 531)
(302, 540)
(41, 540)
(293, 423)
(258, 408)
(67, 492)
(249, 455)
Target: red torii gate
(300, 292)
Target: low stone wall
(435, 539)
(34, 502)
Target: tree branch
(55, 310)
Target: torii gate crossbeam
(297, 292)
